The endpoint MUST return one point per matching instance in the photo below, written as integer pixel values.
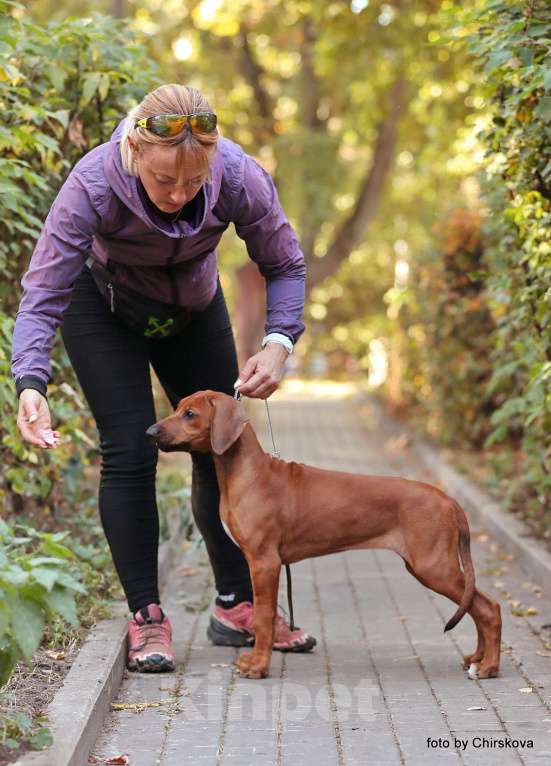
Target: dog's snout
(153, 431)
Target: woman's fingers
(34, 420)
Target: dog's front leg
(265, 579)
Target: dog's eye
(188, 414)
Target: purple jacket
(99, 212)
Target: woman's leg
(112, 366)
(202, 357)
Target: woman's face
(167, 188)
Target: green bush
(63, 88)
(36, 582)
(513, 43)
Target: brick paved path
(383, 678)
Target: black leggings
(112, 365)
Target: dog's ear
(228, 422)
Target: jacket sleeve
(57, 260)
(272, 244)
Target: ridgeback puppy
(280, 512)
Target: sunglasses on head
(172, 124)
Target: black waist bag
(147, 317)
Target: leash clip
(237, 395)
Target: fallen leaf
(476, 707)
(481, 536)
(188, 571)
(55, 655)
(543, 654)
(397, 443)
(526, 690)
(137, 706)
(117, 759)
(529, 611)
(505, 556)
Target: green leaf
(63, 578)
(103, 88)
(46, 577)
(8, 660)
(27, 624)
(91, 82)
(42, 739)
(57, 76)
(63, 602)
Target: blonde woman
(126, 264)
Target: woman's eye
(188, 414)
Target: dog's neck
(242, 462)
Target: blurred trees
(410, 147)
(326, 95)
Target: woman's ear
(133, 147)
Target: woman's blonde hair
(169, 99)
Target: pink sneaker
(234, 627)
(149, 641)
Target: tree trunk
(118, 9)
(353, 230)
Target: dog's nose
(153, 431)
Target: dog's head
(207, 421)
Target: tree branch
(252, 72)
(353, 229)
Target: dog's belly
(392, 540)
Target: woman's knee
(134, 455)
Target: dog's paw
(250, 666)
(472, 671)
(488, 671)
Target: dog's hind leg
(476, 657)
(484, 662)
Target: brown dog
(281, 512)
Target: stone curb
(505, 527)
(77, 712)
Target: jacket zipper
(170, 258)
(112, 296)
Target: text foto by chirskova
(478, 743)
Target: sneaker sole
(154, 663)
(220, 635)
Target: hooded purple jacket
(99, 212)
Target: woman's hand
(34, 420)
(262, 373)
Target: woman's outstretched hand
(263, 372)
(34, 420)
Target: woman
(126, 263)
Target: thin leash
(276, 454)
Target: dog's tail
(468, 569)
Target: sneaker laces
(149, 633)
(285, 618)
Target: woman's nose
(178, 197)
